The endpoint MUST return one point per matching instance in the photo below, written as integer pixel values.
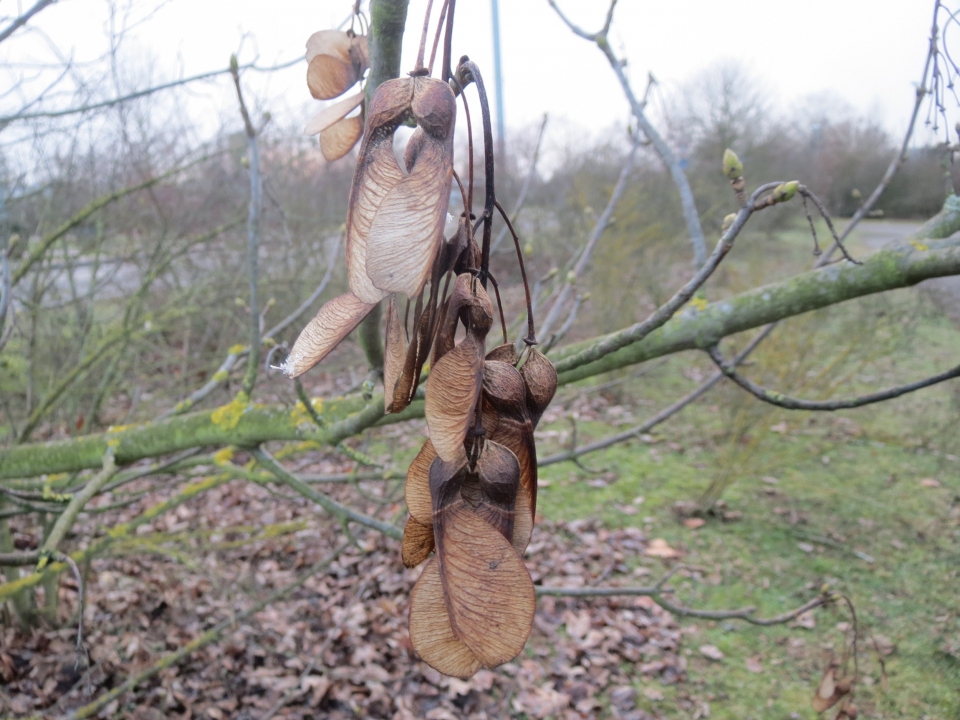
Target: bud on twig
(234, 65)
(727, 222)
(732, 167)
(785, 191)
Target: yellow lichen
(237, 349)
(223, 456)
(49, 494)
(220, 376)
(299, 413)
(919, 245)
(228, 416)
(698, 303)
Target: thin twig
(76, 504)
(598, 229)
(342, 512)
(521, 198)
(790, 403)
(253, 234)
(660, 145)
(23, 19)
(667, 412)
(662, 314)
(7, 119)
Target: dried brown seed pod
(333, 114)
(417, 488)
(541, 379)
(335, 61)
(331, 324)
(498, 478)
(452, 391)
(488, 590)
(395, 220)
(407, 229)
(338, 139)
(417, 543)
(395, 353)
(431, 633)
(417, 352)
(506, 353)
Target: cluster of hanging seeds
(471, 490)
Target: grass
(836, 484)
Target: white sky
(869, 52)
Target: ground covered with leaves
(338, 646)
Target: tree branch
(23, 19)
(253, 234)
(7, 119)
(790, 403)
(244, 425)
(662, 314)
(40, 250)
(646, 127)
(339, 511)
(598, 229)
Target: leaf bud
(732, 167)
(785, 191)
(234, 65)
(571, 277)
(727, 222)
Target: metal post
(498, 74)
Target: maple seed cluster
(471, 491)
(336, 61)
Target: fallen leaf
(883, 645)
(930, 483)
(753, 664)
(806, 547)
(653, 694)
(711, 652)
(694, 523)
(658, 547)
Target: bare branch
(7, 119)
(24, 19)
(662, 314)
(253, 234)
(790, 403)
(598, 229)
(574, 452)
(660, 145)
(521, 198)
(327, 503)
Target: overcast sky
(869, 52)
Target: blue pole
(498, 73)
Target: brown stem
(531, 338)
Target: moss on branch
(897, 267)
